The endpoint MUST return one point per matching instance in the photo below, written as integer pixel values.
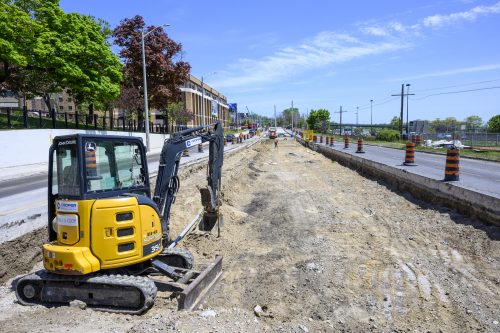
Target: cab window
(111, 165)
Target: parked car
(229, 137)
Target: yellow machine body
(101, 234)
(308, 135)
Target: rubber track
(143, 284)
(186, 256)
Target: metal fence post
(65, 120)
(25, 116)
(86, 121)
(96, 117)
(40, 118)
(9, 123)
(104, 122)
(76, 119)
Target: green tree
(395, 121)
(473, 122)
(69, 51)
(318, 120)
(494, 124)
(17, 36)
(178, 113)
(289, 115)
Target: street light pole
(407, 120)
(371, 116)
(357, 111)
(203, 99)
(145, 83)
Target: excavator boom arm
(167, 181)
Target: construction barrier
(346, 142)
(321, 139)
(233, 140)
(410, 154)
(451, 172)
(332, 141)
(418, 140)
(326, 140)
(225, 142)
(185, 153)
(360, 146)
(200, 148)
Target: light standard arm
(145, 83)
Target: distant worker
(276, 143)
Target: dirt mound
(19, 255)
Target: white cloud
(328, 47)
(436, 21)
(474, 69)
(324, 49)
(375, 31)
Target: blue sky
(327, 54)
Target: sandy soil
(318, 247)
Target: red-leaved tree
(166, 71)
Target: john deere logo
(90, 146)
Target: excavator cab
(99, 204)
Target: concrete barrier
(465, 201)
(22, 147)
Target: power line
(456, 92)
(460, 85)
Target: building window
(61, 108)
(60, 99)
(70, 99)
(70, 107)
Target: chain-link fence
(474, 139)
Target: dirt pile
(319, 249)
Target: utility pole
(341, 118)
(357, 111)
(275, 116)
(402, 108)
(407, 119)
(371, 116)
(292, 115)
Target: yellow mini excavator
(108, 237)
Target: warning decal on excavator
(193, 142)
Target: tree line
(44, 50)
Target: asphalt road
(477, 175)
